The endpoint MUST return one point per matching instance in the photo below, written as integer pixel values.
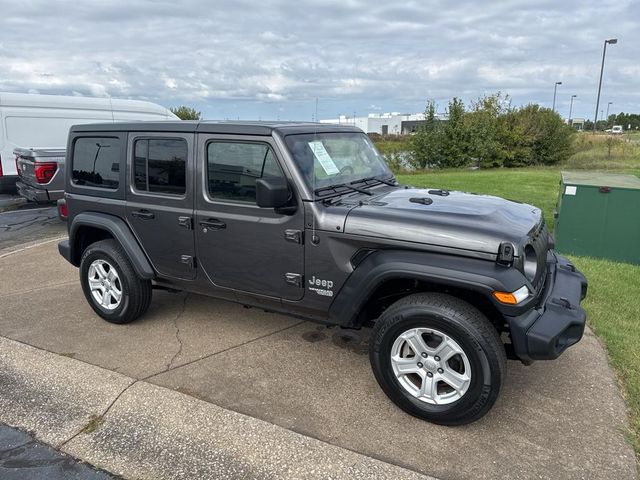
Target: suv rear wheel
(438, 358)
(111, 285)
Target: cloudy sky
(270, 59)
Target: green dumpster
(598, 215)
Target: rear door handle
(143, 214)
(213, 223)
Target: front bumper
(37, 195)
(558, 321)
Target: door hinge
(293, 279)
(188, 260)
(186, 222)
(294, 236)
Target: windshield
(327, 159)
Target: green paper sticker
(325, 160)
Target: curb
(139, 430)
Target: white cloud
(252, 59)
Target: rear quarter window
(96, 162)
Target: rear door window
(96, 162)
(160, 165)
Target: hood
(449, 219)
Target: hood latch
(505, 254)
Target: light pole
(611, 41)
(555, 88)
(607, 115)
(571, 108)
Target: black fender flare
(119, 231)
(475, 274)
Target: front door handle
(213, 223)
(143, 214)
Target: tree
(186, 113)
(539, 136)
(488, 130)
(426, 143)
(491, 134)
(442, 144)
(456, 138)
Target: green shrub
(491, 134)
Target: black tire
(136, 292)
(465, 325)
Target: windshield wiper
(345, 185)
(391, 183)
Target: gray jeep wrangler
(307, 220)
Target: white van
(43, 121)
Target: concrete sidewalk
(139, 430)
(201, 381)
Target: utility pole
(571, 108)
(611, 41)
(555, 88)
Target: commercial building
(394, 123)
(577, 123)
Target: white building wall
(374, 122)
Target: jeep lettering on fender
(306, 219)
(321, 287)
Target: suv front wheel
(438, 358)
(111, 285)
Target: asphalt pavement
(22, 223)
(24, 458)
(200, 385)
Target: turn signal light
(512, 298)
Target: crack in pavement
(101, 416)
(175, 324)
(224, 350)
(9, 227)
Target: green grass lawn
(613, 302)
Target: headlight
(530, 263)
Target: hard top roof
(228, 127)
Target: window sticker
(325, 160)
(570, 190)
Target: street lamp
(555, 88)
(611, 41)
(571, 108)
(607, 115)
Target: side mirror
(272, 192)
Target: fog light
(512, 298)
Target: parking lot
(22, 223)
(561, 419)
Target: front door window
(233, 168)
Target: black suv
(307, 220)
